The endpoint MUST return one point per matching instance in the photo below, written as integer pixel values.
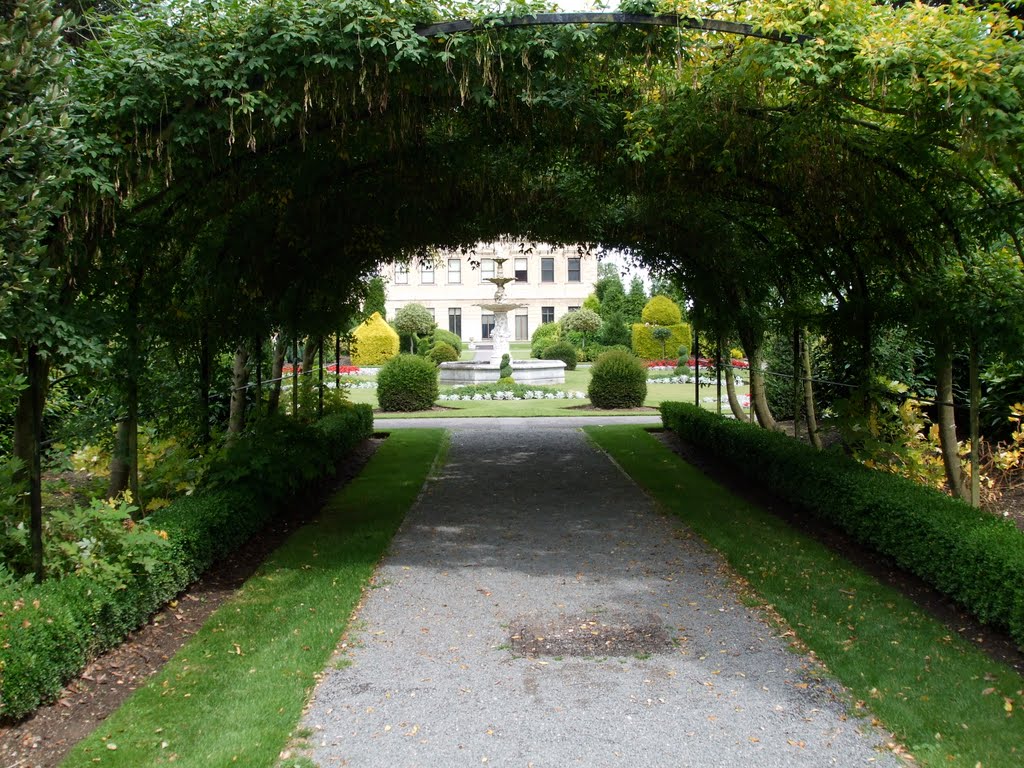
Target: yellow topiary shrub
(661, 310)
(374, 341)
(646, 347)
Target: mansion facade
(549, 281)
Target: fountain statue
(500, 335)
(482, 371)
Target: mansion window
(426, 274)
(547, 314)
(401, 274)
(455, 271)
(522, 270)
(486, 326)
(547, 270)
(455, 320)
(522, 327)
(574, 270)
(486, 269)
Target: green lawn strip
(233, 693)
(948, 702)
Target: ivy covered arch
(236, 167)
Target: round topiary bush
(564, 351)
(407, 383)
(661, 310)
(617, 380)
(440, 334)
(443, 352)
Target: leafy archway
(216, 171)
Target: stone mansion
(549, 281)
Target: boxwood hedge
(48, 632)
(973, 557)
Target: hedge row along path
(536, 609)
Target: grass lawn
(945, 700)
(575, 381)
(234, 693)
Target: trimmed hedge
(407, 383)
(544, 335)
(617, 380)
(661, 310)
(50, 631)
(971, 556)
(646, 347)
(443, 352)
(440, 334)
(564, 351)
(374, 342)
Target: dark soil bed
(42, 740)
(997, 644)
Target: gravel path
(535, 610)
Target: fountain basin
(523, 372)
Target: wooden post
(320, 396)
(975, 429)
(796, 380)
(718, 374)
(696, 366)
(259, 375)
(337, 361)
(295, 376)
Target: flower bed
(529, 394)
(344, 370)
(704, 362)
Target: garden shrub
(543, 337)
(407, 383)
(661, 310)
(51, 630)
(971, 556)
(374, 342)
(505, 371)
(646, 347)
(564, 351)
(440, 334)
(443, 352)
(614, 330)
(617, 380)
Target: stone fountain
(500, 335)
(481, 371)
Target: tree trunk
(730, 391)
(276, 367)
(751, 341)
(947, 420)
(812, 419)
(119, 460)
(758, 398)
(309, 355)
(239, 391)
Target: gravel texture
(535, 610)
